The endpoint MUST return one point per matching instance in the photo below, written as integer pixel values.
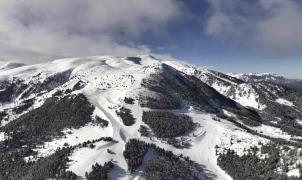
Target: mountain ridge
(163, 111)
(256, 77)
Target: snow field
(284, 102)
(111, 79)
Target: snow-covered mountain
(145, 117)
(256, 77)
(10, 65)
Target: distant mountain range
(256, 77)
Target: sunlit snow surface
(2, 136)
(109, 80)
(244, 93)
(284, 102)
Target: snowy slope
(233, 88)
(108, 80)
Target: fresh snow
(299, 121)
(284, 102)
(2, 136)
(203, 144)
(108, 99)
(257, 76)
(272, 132)
(83, 159)
(244, 94)
(73, 137)
(109, 80)
(294, 172)
(247, 96)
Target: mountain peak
(140, 114)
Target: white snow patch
(299, 121)
(2, 136)
(272, 132)
(293, 172)
(73, 137)
(83, 158)
(244, 94)
(284, 102)
(239, 141)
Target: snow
(272, 132)
(257, 76)
(220, 88)
(211, 134)
(299, 121)
(244, 94)
(223, 79)
(2, 136)
(10, 65)
(226, 135)
(83, 159)
(107, 99)
(73, 137)
(203, 143)
(239, 141)
(247, 96)
(203, 148)
(109, 80)
(293, 172)
(284, 102)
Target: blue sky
(187, 39)
(225, 35)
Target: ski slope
(108, 81)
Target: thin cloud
(272, 27)
(33, 29)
